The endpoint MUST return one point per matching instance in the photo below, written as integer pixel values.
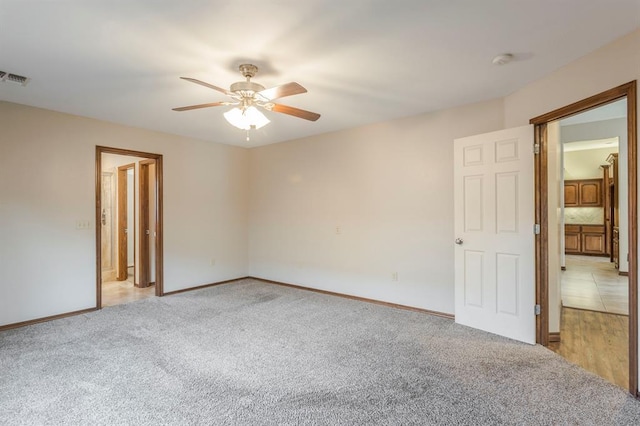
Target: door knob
(459, 241)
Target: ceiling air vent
(13, 78)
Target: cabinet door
(593, 243)
(571, 194)
(572, 243)
(590, 193)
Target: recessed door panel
(473, 155)
(473, 275)
(507, 202)
(473, 203)
(506, 150)
(507, 283)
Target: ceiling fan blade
(212, 104)
(296, 112)
(210, 86)
(282, 91)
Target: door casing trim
(143, 202)
(122, 267)
(159, 290)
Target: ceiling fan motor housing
(246, 86)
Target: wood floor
(596, 341)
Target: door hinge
(536, 148)
(536, 229)
(536, 309)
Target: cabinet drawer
(593, 229)
(572, 229)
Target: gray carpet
(250, 353)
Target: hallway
(593, 283)
(118, 292)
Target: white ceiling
(362, 61)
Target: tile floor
(593, 283)
(117, 292)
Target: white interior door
(494, 233)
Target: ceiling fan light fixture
(247, 118)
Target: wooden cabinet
(593, 241)
(583, 193)
(571, 194)
(572, 240)
(590, 193)
(585, 239)
(615, 247)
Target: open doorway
(129, 240)
(588, 278)
(119, 237)
(595, 238)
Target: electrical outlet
(83, 224)
(338, 230)
(212, 262)
(394, 276)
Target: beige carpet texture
(252, 353)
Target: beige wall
(387, 186)
(586, 164)
(47, 183)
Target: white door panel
(494, 217)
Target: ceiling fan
(246, 95)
